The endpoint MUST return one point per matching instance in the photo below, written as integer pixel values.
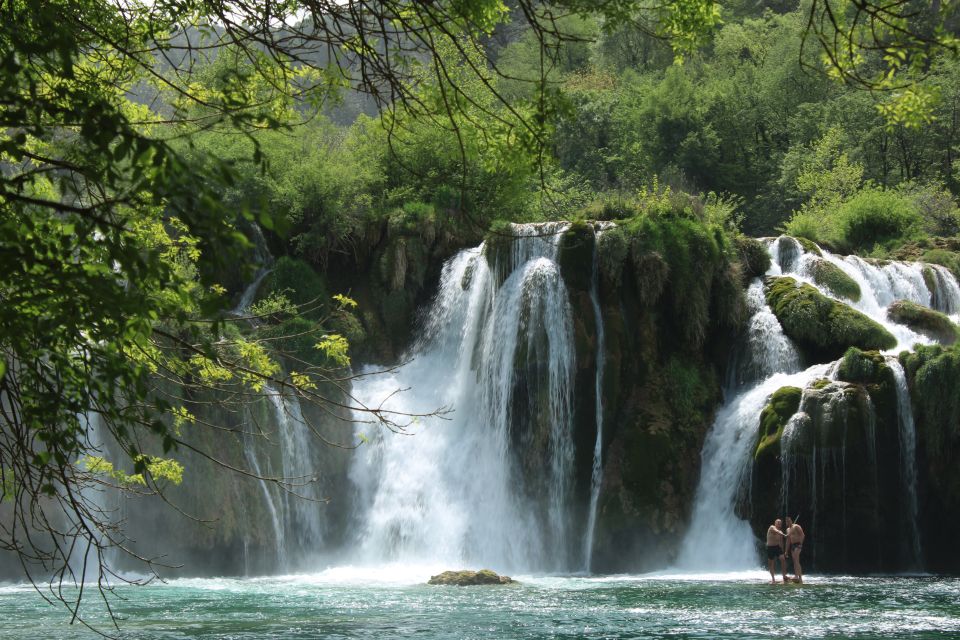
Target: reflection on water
(381, 603)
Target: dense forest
(209, 207)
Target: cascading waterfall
(263, 259)
(765, 364)
(84, 562)
(726, 453)
(767, 349)
(492, 482)
(908, 459)
(596, 472)
(946, 294)
(301, 503)
(270, 500)
(290, 497)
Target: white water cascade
(490, 482)
(767, 364)
(290, 492)
(908, 459)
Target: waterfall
(946, 296)
(301, 503)
(763, 366)
(292, 504)
(596, 474)
(86, 563)
(766, 350)
(908, 459)
(726, 455)
(263, 259)
(269, 499)
(490, 482)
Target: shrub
(296, 280)
(875, 217)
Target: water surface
(349, 603)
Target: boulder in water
(823, 327)
(930, 323)
(469, 578)
(835, 280)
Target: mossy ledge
(823, 328)
(833, 279)
(469, 578)
(753, 256)
(930, 323)
(809, 246)
(863, 367)
(784, 402)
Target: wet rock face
(934, 377)
(671, 304)
(823, 328)
(836, 466)
(469, 578)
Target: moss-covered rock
(753, 256)
(835, 280)
(809, 246)
(828, 466)
(575, 255)
(864, 367)
(928, 322)
(469, 578)
(824, 328)
(613, 247)
(934, 376)
(782, 405)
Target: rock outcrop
(822, 327)
(467, 578)
(928, 322)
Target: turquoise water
(358, 604)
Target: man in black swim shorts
(775, 539)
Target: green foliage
(875, 217)
(825, 328)
(784, 402)
(835, 280)
(299, 283)
(923, 320)
(159, 469)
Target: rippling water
(349, 603)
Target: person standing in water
(775, 539)
(795, 538)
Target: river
(394, 603)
